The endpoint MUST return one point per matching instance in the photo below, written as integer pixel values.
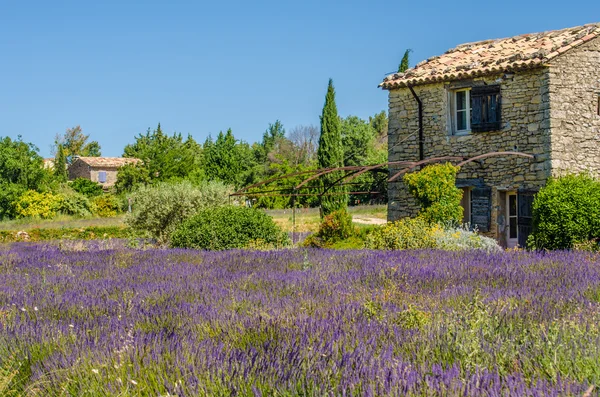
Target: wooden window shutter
(485, 113)
(481, 208)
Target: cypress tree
(331, 154)
(60, 164)
(403, 67)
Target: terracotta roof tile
(494, 56)
(109, 162)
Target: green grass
(81, 233)
(62, 221)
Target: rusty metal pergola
(352, 172)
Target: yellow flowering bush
(106, 205)
(33, 204)
(418, 233)
(406, 233)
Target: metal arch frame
(356, 171)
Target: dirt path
(368, 220)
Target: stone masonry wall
(574, 95)
(525, 116)
(79, 169)
(111, 175)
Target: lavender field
(297, 323)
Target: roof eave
(394, 84)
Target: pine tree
(403, 67)
(60, 164)
(331, 154)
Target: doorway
(519, 217)
(512, 220)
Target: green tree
(21, 164)
(379, 124)
(357, 140)
(131, 176)
(330, 154)
(164, 158)
(75, 143)
(60, 164)
(228, 160)
(21, 169)
(274, 133)
(403, 67)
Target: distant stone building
(98, 169)
(536, 93)
(48, 163)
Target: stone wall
(525, 115)
(111, 175)
(79, 169)
(574, 93)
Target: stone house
(537, 94)
(98, 169)
(48, 163)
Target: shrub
(159, 210)
(228, 227)
(462, 239)
(434, 188)
(86, 187)
(566, 212)
(406, 233)
(73, 203)
(37, 205)
(335, 227)
(106, 205)
(9, 195)
(589, 245)
(417, 233)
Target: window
(462, 111)
(475, 109)
(598, 106)
(512, 217)
(102, 176)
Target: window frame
(484, 101)
(513, 218)
(454, 111)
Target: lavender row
(298, 322)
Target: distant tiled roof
(48, 163)
(494, 56)
(109, 162)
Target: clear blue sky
(119, 67)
